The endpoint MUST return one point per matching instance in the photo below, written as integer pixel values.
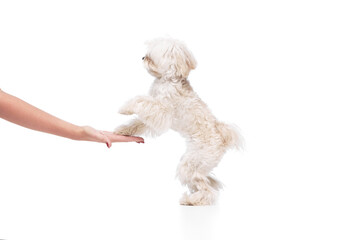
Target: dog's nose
(143, 58)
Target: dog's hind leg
(203, 195)
(194, 172)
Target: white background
(286, 72)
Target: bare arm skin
(20, 112)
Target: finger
(136, 139)
(121, 138)
(128, 139)
(108, 144)
(106, 139)
(141, 140)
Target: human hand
(121, 138)
(91, 134)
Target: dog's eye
(143, 58)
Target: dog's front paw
(124, 130)
(132, 106)
(126, 111)
(128, 108)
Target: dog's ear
(190, 60)
(182, 61)
(185, 61)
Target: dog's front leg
(155, 114)
(135, 128)
(133, 105)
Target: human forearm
(19, 112)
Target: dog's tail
(231, 136)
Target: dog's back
(194, 120)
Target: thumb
(106, 140)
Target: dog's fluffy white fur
(172, 104)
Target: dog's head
(169, 59)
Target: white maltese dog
(172, 104)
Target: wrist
(78, 133)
